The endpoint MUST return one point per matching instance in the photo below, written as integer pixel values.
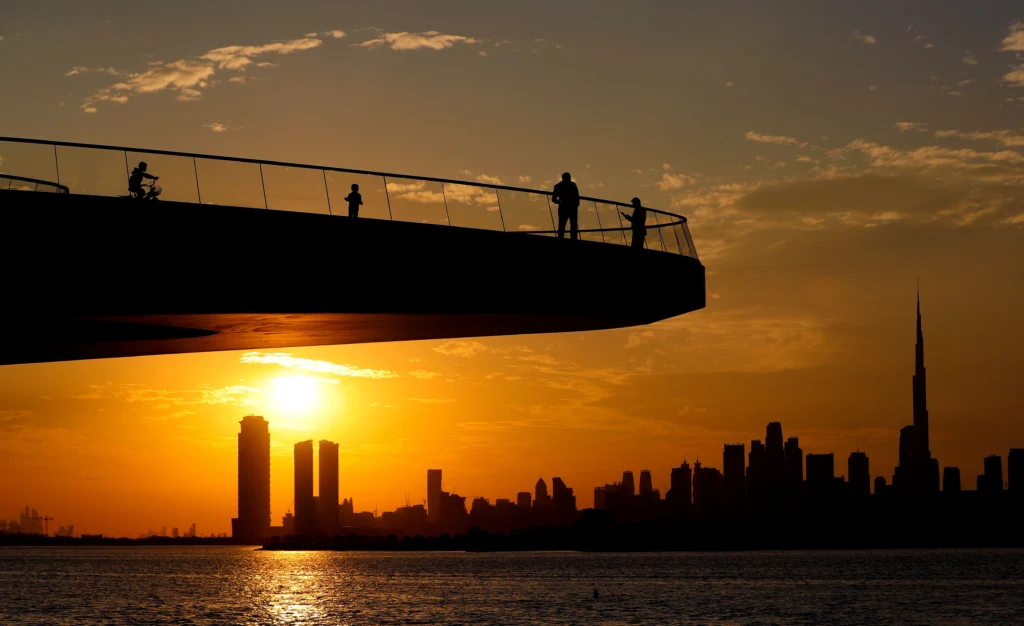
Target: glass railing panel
(230, 183)
(470, 206)
(93, 172)
(668, 238)
(296, 189)
(371, 188)
(28, 161)
(679, 235)
(589, 220)
(177, 176)
(689, 241)
(610, 218)
(526, 212)
(416, 201)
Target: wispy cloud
(911, 126)
(461, 347)
(674, 181)
(424, 374)
(285, 359)
(216, 127)
(187, 77)
(1004, 137)
(969, 60)
(864, 38)
(431, 400)
(75, 71)
(776, 139)
(429, 40)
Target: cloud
(1015, 76)
(216, 127)
(431, 400)
(285, 359)
(461, 347)
(525, 179)
(430, 40)
(424, 375)
(1004, 137)
(864, 38)
(337, 34)
(1014, 42)
(969, 60)
(187, 77)
(729, 83)
(923, 40)
(76, 70)
(911, 126)
(490, 180)
(776, 139)
(674, 181)
(933, 156)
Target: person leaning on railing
(639, 223)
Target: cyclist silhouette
(135, 181)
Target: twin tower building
(313, 515)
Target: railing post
(676, 235)
(598, 214)
(387, 197)
(264, 185)
(127, 176)
(328, 192)
(550, 214)
(499, 211)
(445, 196)
(56, 165)
(195, 170)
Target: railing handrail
(37, 181)
(216, 157)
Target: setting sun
(295, 395)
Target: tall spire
(922, 449)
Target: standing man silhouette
(567, 196)
(639, 223)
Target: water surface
(148, 585)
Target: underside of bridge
(94, 277)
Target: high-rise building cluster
(771, 481)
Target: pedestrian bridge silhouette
(247, 254)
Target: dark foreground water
(140, 585)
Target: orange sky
(827, 159)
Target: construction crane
(70, 529)
(46, 520)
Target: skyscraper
(993, 473)
(563, 500)
(328, 505)
(628, 486)
(434, 495)
(918, 472)
(922, 449)
(253, 521)
(860, 475)
(681, 486)
(541, 498)
(523, 500)
(794, 462)
(305, 510)
(646, 485)
(733, 463)
(821, 474)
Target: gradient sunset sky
(828, 156)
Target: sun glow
(295, 395)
